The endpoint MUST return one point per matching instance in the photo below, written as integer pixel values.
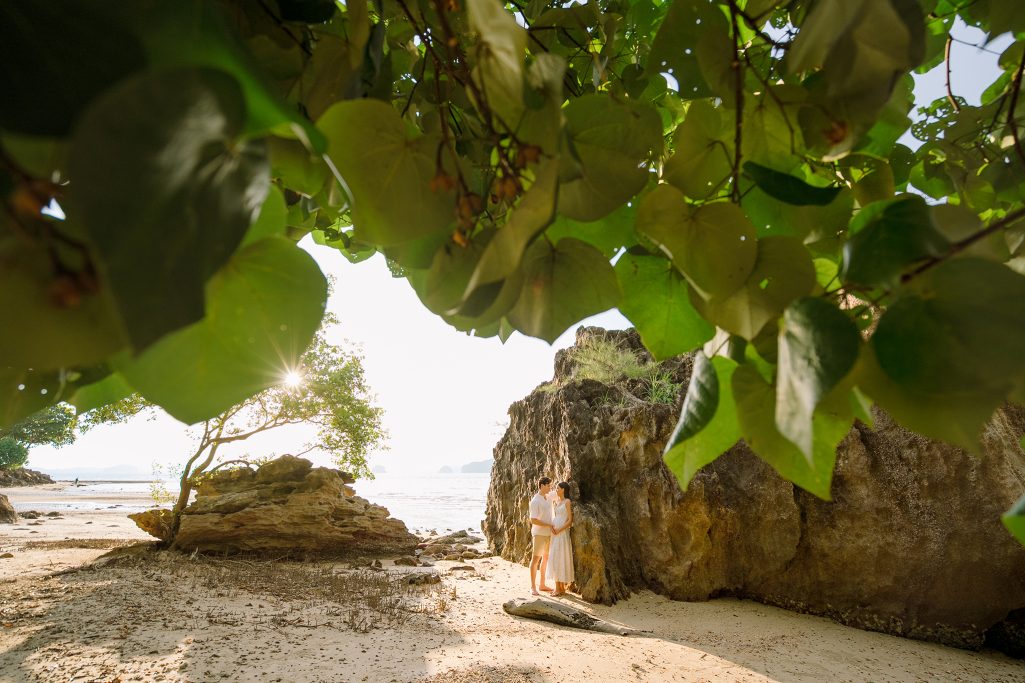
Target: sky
(445, 394)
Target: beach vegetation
(775, 194)
(333, 398)
(13, 453)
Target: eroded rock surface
(911, 543)
(22, 476)
(7, 512)
(286, 506)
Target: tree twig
(1012, 122)
(738, 79)
(961, 245)
(946, 60)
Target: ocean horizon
(424, 502)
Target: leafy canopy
(745, 154)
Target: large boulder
(22, 476)
(911, 544)
(7, 512)
(286, 506)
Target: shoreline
(169, 616)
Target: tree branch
(946, 60)
(738, 80)
(961, 245)
(1012, 122)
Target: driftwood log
(564, 615)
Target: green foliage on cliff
(744, 153)
(13, 453)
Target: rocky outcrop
(911, 543)
(7, 512)
(287, 506)
(22, 476)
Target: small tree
(327, 390)
(13, 453)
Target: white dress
(560, 554)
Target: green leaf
(713, 245)
(655, 300)
(498, 58)
(710, 397)
(756, 410)
(956, 334)
(1014, 520)
(954, 417)
(563, 284)
(701, 161)
(818, 347)
(271, 220)
(23, 392)
(388, 172)
(263, 308)
(165, 209)
(295, 166)
(811, 223)
(782, 272)
(110, 389)
(787, 188)
(608, 234)
(611, 143)
(535, 211)
(691, 28)
(893, 235)
(55, 58)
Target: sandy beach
(81, 601)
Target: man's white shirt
(541, 508)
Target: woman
(560, 555)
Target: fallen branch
(564, 615)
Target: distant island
(445, 469)
(481, 466)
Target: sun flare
(293, 379)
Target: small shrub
(662, 388)
(605, 362)
(13, 453)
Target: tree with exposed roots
(736, 176)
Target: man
(540, 532)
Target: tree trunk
(564, 615)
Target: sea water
(425, 502)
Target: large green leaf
(263, 308)
(713, 245)
(782, 272)
(110, 389)
(23, 392)
(702, 161)
(610, 145)
(1014, 520)
(818, 347)
(271, 221)
(563, 284)
(787, 188)
(535, 211)
(655, 300)
(165, 190)
(948, 351)
(811, 223)
(498, 58)
(55, 58)
(708, 424)
(691, 29)
(388, 171)
(893, 235)
(756, 410)
(608, 234)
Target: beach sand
(140, 615)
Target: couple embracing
(551, 516)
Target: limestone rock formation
(911, 543)
(286, 506)
(7, 513)
(22, 476)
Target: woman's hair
(565, 490)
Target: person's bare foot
(555, 595)
(547, 588)
(533, 591)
